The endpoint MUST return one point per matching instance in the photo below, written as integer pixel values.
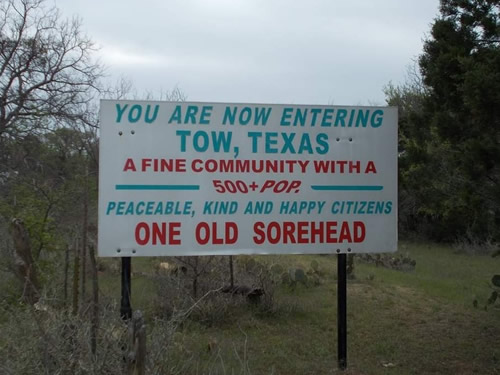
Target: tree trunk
(24, 265)
(95, 302)
(66, 275)
(85, 222)
(76, 277)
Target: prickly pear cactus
(297, 275)
(495, 294)
(285, 278)
(276, 272)
(495, 280)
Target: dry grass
(418, 322)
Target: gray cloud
(316, 51)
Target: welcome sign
(180, 178)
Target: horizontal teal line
(157, 187)
(347, 187)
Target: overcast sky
(264, 51)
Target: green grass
(416, 322)
(441, 273)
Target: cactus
(493, 298)
(276, 273)
(495, 294)
(495, 280)
(285, 278)
(297, 275)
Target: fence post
(136, 356)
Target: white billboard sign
(180, 178)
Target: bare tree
(196, 267)
(47, 71)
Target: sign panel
(180, 178)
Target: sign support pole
(342, 310)
(125, 307)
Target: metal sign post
(125, 306)
(342, 310)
